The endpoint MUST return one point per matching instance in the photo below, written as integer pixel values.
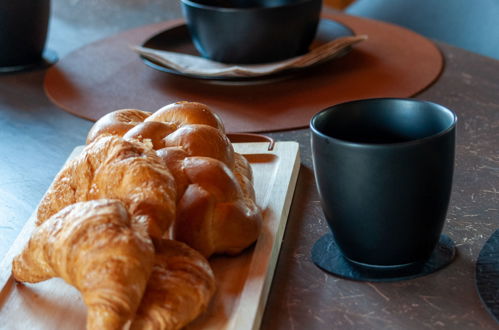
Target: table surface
(36, 137)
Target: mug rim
(416, 141)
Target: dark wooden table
(36, 137)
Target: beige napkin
(195, 65)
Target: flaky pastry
(145, 177)
(111, 167)
(92, 246)
(179, 289)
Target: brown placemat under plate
(107, 75)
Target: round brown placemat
(107, 75)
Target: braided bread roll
(187, 113)
(216, 209)
(116, 123)
(179, 289)
(111, 167)
(195, 139)
(92, 246)
(215, 215)
(176, 115)
(173, 158)
(189, 125)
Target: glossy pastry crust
(111, 167)
(117, 123)
(216, 213)
(131, 220)
(92, 246)
(179, 289)
(216, 209)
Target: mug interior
(383, 121)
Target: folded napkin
(195, 65)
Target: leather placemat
(107, 75)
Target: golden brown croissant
(179, 289)
(92, 246)
(111, 167)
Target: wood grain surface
(243, 282)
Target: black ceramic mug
(384, 171)
(23, 32)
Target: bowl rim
(195, 4)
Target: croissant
(179, 289)
(111, 167)
(92, 246)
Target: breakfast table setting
(289, 117)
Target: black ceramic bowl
(251, 31)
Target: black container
(23, 31)
(251, 31)
(384, 172)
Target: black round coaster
(49, 57)
(326, 255)
(487, 274)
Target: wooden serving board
(243, 281)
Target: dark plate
(177, 39)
